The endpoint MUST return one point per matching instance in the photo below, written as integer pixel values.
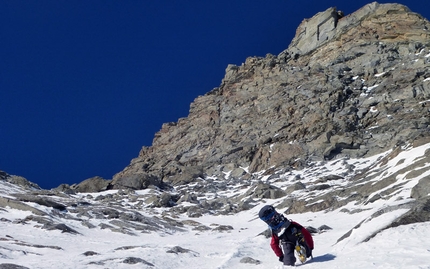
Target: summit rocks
(347, 86)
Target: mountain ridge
(281, 111)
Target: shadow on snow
(323, 258)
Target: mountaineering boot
(301, 252)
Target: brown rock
(351, 86)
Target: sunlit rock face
(347, 86)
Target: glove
(281, 259)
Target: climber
(291, 235)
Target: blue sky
(85, 84)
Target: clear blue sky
(85, 84)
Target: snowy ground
(408, 246)
(401, 247)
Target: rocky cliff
(347, 86)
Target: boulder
(262, 190)
(136, 181)
(94, 184)
(422, 189)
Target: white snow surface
(406, 246)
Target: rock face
(18, 180)
(353, 85)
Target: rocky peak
(373, 22)
(347, 86)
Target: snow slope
(402, 247)
(23, 242)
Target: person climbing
(291, 235)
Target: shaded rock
(3, 175)
(108, 213)
(65, 188)
(188, 197)
(61, 226)
(319, 187)
(90, 253)
(324, 228)
(223, 228)
(249, 260)
(38, 246)
(172, 222)
(262, 190)
(153, 200)
(126, 247)
(39, 219)
(267, 233)
(328, 178)
(179, 250)
(98, 262)
(166, 200)
(105, 198)
(420, 212)
(136, 181)
(201, 228)
(106, 226)
(295, 187)
(40, 200)
(195, 212)
(312, 230)
(19, 181)
(6, 202)
(163, 199)
(245, 204)
(23, 182)
(422, 189)
(237, 173)
(94, 184)
(134, 260)
(11, 266)
(188, 174)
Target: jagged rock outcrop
(93, 184)
(347, 86)
(18, 180)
